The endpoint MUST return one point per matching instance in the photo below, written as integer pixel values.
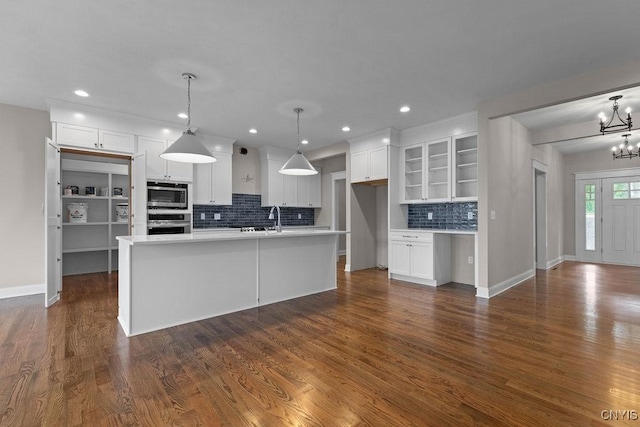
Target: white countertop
(228, 234)
(435, 230)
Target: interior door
(588, 220)
(139, 194)
(621, 220)
(53, 224)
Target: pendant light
(187, 148)
(298, 164)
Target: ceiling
(345, 62)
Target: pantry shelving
(89, 237)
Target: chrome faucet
(276, 224)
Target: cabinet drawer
(410, 235)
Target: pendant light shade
(298, 164)
(187, 148)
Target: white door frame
(539, 215)
(336, 177)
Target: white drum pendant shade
(298, 165)
(188, 149)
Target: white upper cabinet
(212, 181)
(93, 138)
(159, 168)
(287, 190)
(370, 156)
(369, 165)
(464, 179)
(426, 172)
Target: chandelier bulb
(628, 110)
(613, 149)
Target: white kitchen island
(168, 280)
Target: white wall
(22, 136)
(382, 225)
(246, 177)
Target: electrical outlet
(299, 216)
(202, 215)
(470, 260)
(469, 215)
(216, 216)
(429, 215)
(493, 214)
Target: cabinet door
(315, 190)
(422, 260)
(464, 184)
(115, 141)
(359, 166)
(202, 183)
(438, 178)
(78, 136)
(378, 163)
(221, 180)
(400, 262)
(289, 190)
(138, 194)
(274, 184)
(412, 176)
(179, 171)
(156, 166)
(303, 191)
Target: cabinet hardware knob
(58, 227)
(95, 144)
(58, 259)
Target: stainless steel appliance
(167, 195)
(168, 223)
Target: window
(590, 216)
(626, 190)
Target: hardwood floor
(557, 350)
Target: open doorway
(540, 215)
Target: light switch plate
(470, 260)
(469, 215)
(216, 216)
(202, 215)
(493, 214)
(429, 215)
(299, 216)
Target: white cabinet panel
(275, 189)
(289, 190)
(116, 141)
(420, 256)
(212, 182)
(378, 163)
(359, 166)
(159, 168)
(315, 190)
(422, 260)
(400, 258)
(77, 136)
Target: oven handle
(167, 224)
(167, 189)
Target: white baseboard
(498, 288)
(343, 252)
(21, 291)
(347, 267)
(554, 262)
(569, 257)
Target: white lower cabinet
(420, 257)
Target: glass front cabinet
(440, 171)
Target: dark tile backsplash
(247, 211)
(445, 216)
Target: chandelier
(621, 125)
(298, 164)
(625, 150)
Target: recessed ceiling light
(385, 140)
(252, 130)
(81, 93)
(346, 129)
(79, 116)
(304, 141)
(165, 130)
(405, 109)
(183, 116)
